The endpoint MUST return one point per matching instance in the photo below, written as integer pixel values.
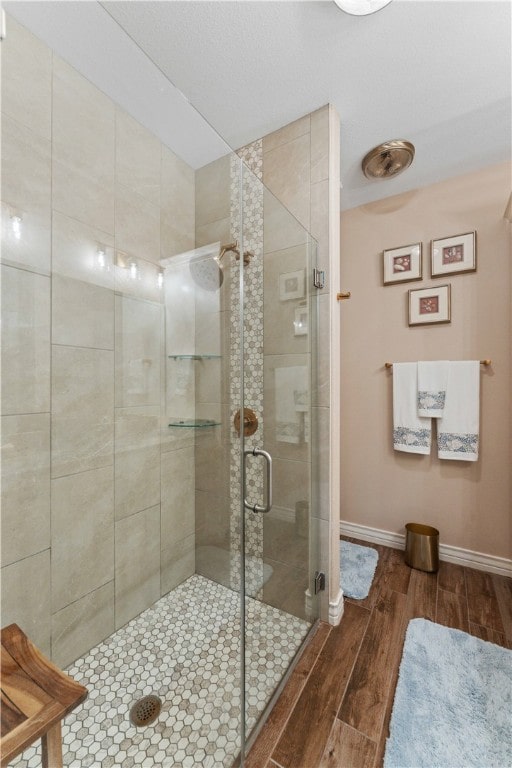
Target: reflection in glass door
(279, 541)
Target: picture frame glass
(453, 255)
(430, 305)
(301, 321)
(401, 265)
(292, 285)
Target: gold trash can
(422, 547)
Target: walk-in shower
(147, 546)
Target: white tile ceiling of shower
(186, 650)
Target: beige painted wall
(470, 503)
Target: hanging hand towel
(457, 430)
(432, 380)
(411, 433)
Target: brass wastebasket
(422, 547)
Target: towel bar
(482, 362)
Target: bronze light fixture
(388, 159)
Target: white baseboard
(336, 609)
(477, 560)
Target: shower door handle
(268, 501)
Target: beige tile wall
(212, 334)
(301, 168)
(25, 485)
(30, 191)
(87, 542)
(25, 342)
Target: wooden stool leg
(51, 743)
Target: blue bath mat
(357, 567)
(453, 701)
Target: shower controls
(250, 422)
(268, 485)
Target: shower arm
(233, 248)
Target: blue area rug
(453, 702)
(357, 567)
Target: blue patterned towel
(458, 430)
(432, 383)
(411, 433)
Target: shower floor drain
(146, 710)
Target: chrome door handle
(268, 460)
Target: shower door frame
(248, 739)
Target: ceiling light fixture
(361, 7)
(388, 159)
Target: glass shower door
(278, 325)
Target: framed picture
(291, 285)
(453, 255)
(300, 324)
(402, 265)
(430, 305)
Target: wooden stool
(36, 696)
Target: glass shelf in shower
(193, 423)
(194, 357)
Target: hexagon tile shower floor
(186, 650)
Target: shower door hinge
(319, 582)
(318, 278)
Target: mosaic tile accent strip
(251, 218)
(186, 650)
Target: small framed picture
(430, 305)
(300, 324)
(402, 265)
(453, 255)
(291, 285)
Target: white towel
(457, 430)
(432, 382)
(411, 433)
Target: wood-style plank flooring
(335, 709)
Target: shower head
(201, 263)
(207, 273)
(206, 267)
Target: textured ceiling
(434, 72)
